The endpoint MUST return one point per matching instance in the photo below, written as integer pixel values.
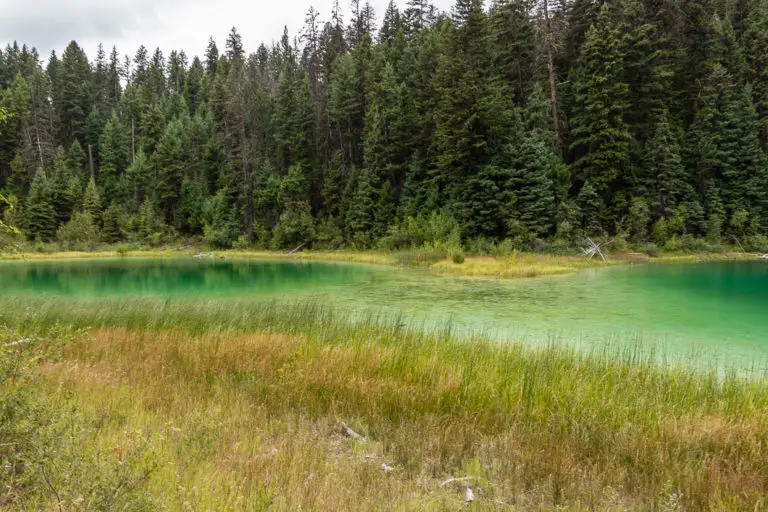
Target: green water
(713, 311)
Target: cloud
(167, 24)
(49, 24)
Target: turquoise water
(707, 311)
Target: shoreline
(513, 266)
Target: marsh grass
(512, 265)
(245, 401)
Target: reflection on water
(718, 310)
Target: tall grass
(247, 399)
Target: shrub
(436, 230)
(155, 239)
(756, 243)
(458, 257)
(295, 227)
(242, 243)
(80, 233)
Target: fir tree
(113, 152)
(39, 214)
(92, 200)
(600, 136)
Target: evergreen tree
(113, 152)
(39, 214)
(600, 135)
(92, 200)
(111, 231)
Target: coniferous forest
(539, 122)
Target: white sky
(168, 24)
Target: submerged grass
(244, 402)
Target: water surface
(713, 311)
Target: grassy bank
(508, 266)
(240, 407)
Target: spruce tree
(92, 200)
(532, 185)
(114, 154)
(667, 183)
(39, 214)
(600, 136)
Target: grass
(239, 407)
(510, 266)
(522, 265)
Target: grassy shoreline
(242, 409)
(513, 266)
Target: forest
(535, 122)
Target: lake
(706, 312)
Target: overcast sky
(168, 24)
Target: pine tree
(514, 41)
(532, 183)
(92, 200)
(72, 93)
(113, 152)
(111, 231)
(61, 193)
(600, 136)
(39, 214)
(168, 162)
(360, 214)
(668, 184)
(755, 43)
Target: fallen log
(298, 248)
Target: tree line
(539, 122)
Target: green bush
(242, 243)
(756, 243)
(80, 233)
(458, 257)
(45, 451)
(295, 227)
(436, 230)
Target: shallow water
(713, 312)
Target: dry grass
(247, 421)
(522, 265)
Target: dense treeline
(533, 121)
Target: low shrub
(80, 233)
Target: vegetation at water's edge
(211, 406)
(537, 123)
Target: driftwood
(452, 480)
(351, 433)
(595, 249)
(764, 257)
(19, 342)
(298, 248)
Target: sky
(167, 24)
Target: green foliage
(92, 200)
(434, 230)
(513, 119)
(111, 230)
(80, 234)
(39, 214)
(45, 449)
(295, 227)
